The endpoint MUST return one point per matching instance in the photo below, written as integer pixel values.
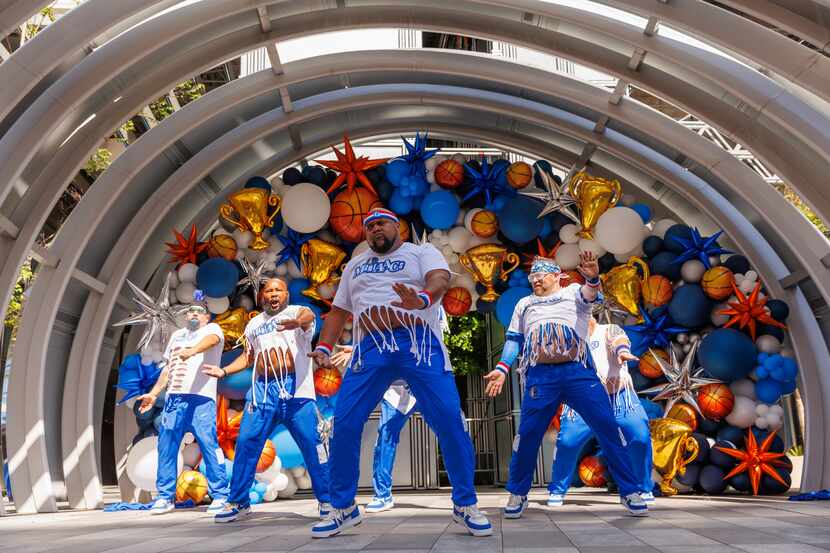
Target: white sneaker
(516, 505)
(648, 497)
(231, 512)
(162, 506)
(337, 521)
(325, 509)
(635, 505)
(217, 506)
(379, 504)
(473, 519)
(556, 500)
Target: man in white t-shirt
(190, 406)
(393, 290)
(277, 344)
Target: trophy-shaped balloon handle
(513, 259)
(691, 449)
(642, 265)
(304, 259)
(576, 182)
(615, 184)
(275, 202)
(226, 211)
(464, 259)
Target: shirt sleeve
(216, 330)
(431, 259)
(581, 303)
(517, 327)
(343, 296)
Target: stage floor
(590, 522)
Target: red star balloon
(749, 310)
(351, 168)
(755, 460)
(186, 250)
(542, 252)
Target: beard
(383, 245)
(271, 309)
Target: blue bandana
(541, 265)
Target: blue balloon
(547, 228)
(295, 289)
(396, 170)
(737, 264)
(763, 356)
(790, 369)
(689, 306)
(259, 182)
(768, 390)
(286, 448)
(761, 371)
(652, 245)
(507, 303)
(677, 231)
(643, 211)
(260, 487)
(236, 385)
(778, 310)
(401, 204)
(727, 354)
(663, 264)
(217, 277)
(485, 306)
(787, 387)
(498, 203)
(518, 220)
(439, 209)
(255, 498)
(653, 410)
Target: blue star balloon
(652, 332)
(417, 152)
(489, 181)
(697, 247)
(408, 173)
(292, 243)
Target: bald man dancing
(394, 291)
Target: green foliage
(466, 342)
(805, 210)
(99, 162)
(16, 304)
(185, 92)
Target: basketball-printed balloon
(657, 291)
(222, 245)
(649, 367)
(484, 224)
(191, 484)
(266, 458)
(571, 277)
(592, 472)
(519, 174)
(457, 301)
(403, 229)
(327, 381)
(715, 401)
(348, 210)
(683, 413)
(717, 283)
(449, 174)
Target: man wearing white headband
(550, 329)
(190, 406)
(394, 291)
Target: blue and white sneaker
(556, 500)
(217, 506)
(635, 505)
(337, 521)
(516, 505)
(648, 497)
(325, 509)
(231, 512)
(162, 506)
(379, 504)
(473, 519)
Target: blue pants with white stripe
(574, 433)
(392, 422)
(195, 414)
(546, 387)
(364, 384)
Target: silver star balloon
(608, 313)
(158, 315)
(683, 380)
(418, 240)
(254, 275)
(555, 196)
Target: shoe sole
(157, 512)
(331, 534)
(637, 513)
(379, 510)
(549, 504)
(230, 519)
(473, 531)
(513, 516)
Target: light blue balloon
(439, 210)
(401, 204)
(287, 449)
(260, 487)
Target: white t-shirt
(263, 334)
(566, 307)
(186, 377)
(602, 352)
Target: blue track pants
(392, 422)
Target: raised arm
(436, 284)
(589, 268)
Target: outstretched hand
(495, 382)
(409, 297)
(626, 356)
(588, 265)
(289, 324)
(321, 359)
(147, 402)
(213, 370)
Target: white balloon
(743, 387)
(240, 254)
(762, 409)
(277, 184)
(243, 238)
(275, 245)
(447, 250)
(433, 187)
(747, 286)
(437, 233)
(459, 221)
(751, 275)
(252, 255)
(142, 463)
(280, 482)
(774, 421)
(289, 490)
(761, 422)
(687, 348)
(452, 259)
(692, 270)
(293, 270)
(588, 245)
(271, 494)
(304, 483)
(305, 207)
(777, 409)
(146, 359)
(219, 231)
(184, 292)
(297, 472)
(567, 233)
(191, 454)
(743, 413)
(187, 273)
(174, 279)
(281, 270)
(619, 230)
(468, 218)
(739, 278)
(218, 305)
(431, 164)
(768, 344)
(682, 338)
(567, 256)
(465, 280)
(661, 226)
(716, 318)
(459, 238)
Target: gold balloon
(248, 210)
(232, 322)
(319, 260)
(486, 263)
(674, 447)
(623, 285)
(191, 484)
(594, 196)
(683, 413)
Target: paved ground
(590, 522)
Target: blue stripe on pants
(546, 386)
(195, 414)
(299, 415)
(392, 422)
(363, 386)
(574, 433)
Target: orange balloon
(191, 484)
(592, 472)
(348, 210)
(683, 413)
(649, 366)
(266, 458)
(327, 381)
(715, 401)
(717, 283)
(657, 290)
(449, 174)
(457, 301)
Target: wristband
(503, 367)
(592, 282)
(427, 297)
(323, 347)
(620, 349)
(224, 372)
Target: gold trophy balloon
(486, 263)
(232, 322)
(624, 286)
(594, 196)
(248, 210)
(674, 447)
(319, 260)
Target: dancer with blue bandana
(394, 292)
(277, 343)
(190, 406)
(550, 327)
(610, 351)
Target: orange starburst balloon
(351, 168)
(755, 460)
(749, 310)
(186, 250)
(542, 252)
(227, 430)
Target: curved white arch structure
(135, 202)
